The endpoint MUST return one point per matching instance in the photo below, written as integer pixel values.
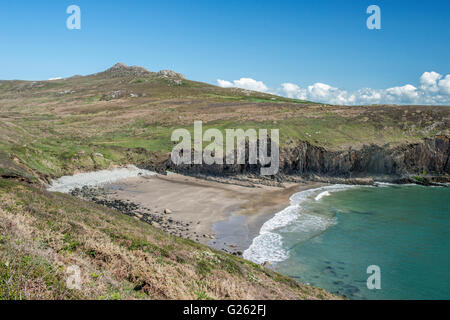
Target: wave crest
(268, 245)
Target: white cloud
(52, 79)
(405, 94)
(244, 83)
(291, 90)
(433, 88)
(428, 81)
(224, 83)
(321, 90)
(444, 85)
(369, 96)
(324, 92)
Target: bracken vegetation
(42, 234)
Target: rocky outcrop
(169, 74)
(172, 77)
(431, 157)
(118, 94)
(122, 70)
(11, 168)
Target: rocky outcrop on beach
(160, 220)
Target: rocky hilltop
(122, 70)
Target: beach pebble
(155, 224)
(167, 211)
(139, 215)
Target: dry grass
(41, 234)
(48, 124)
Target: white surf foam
(98, 178)
(321, 195)
(309, 225)
(268, 245)
(383, 184)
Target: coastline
(223, 216)
(242, 220)
(227, 215)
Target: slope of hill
(43, 234)
(126, 115)
(122, 115)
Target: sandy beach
(224, 216)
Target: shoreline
(232, 218)
(223, 216)
(243, 226)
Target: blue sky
(275, 42)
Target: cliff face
(429, 157)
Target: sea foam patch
(268, 245)
(98, 178)
(321, 195)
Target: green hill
(127, 114)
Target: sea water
(329, 236)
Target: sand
(223, 216)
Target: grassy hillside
(42, 234)
(127, 114)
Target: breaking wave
(268, 245)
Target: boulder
(156, 224)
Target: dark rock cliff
(431, 157)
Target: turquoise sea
(329, 236)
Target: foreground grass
(42, 234)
